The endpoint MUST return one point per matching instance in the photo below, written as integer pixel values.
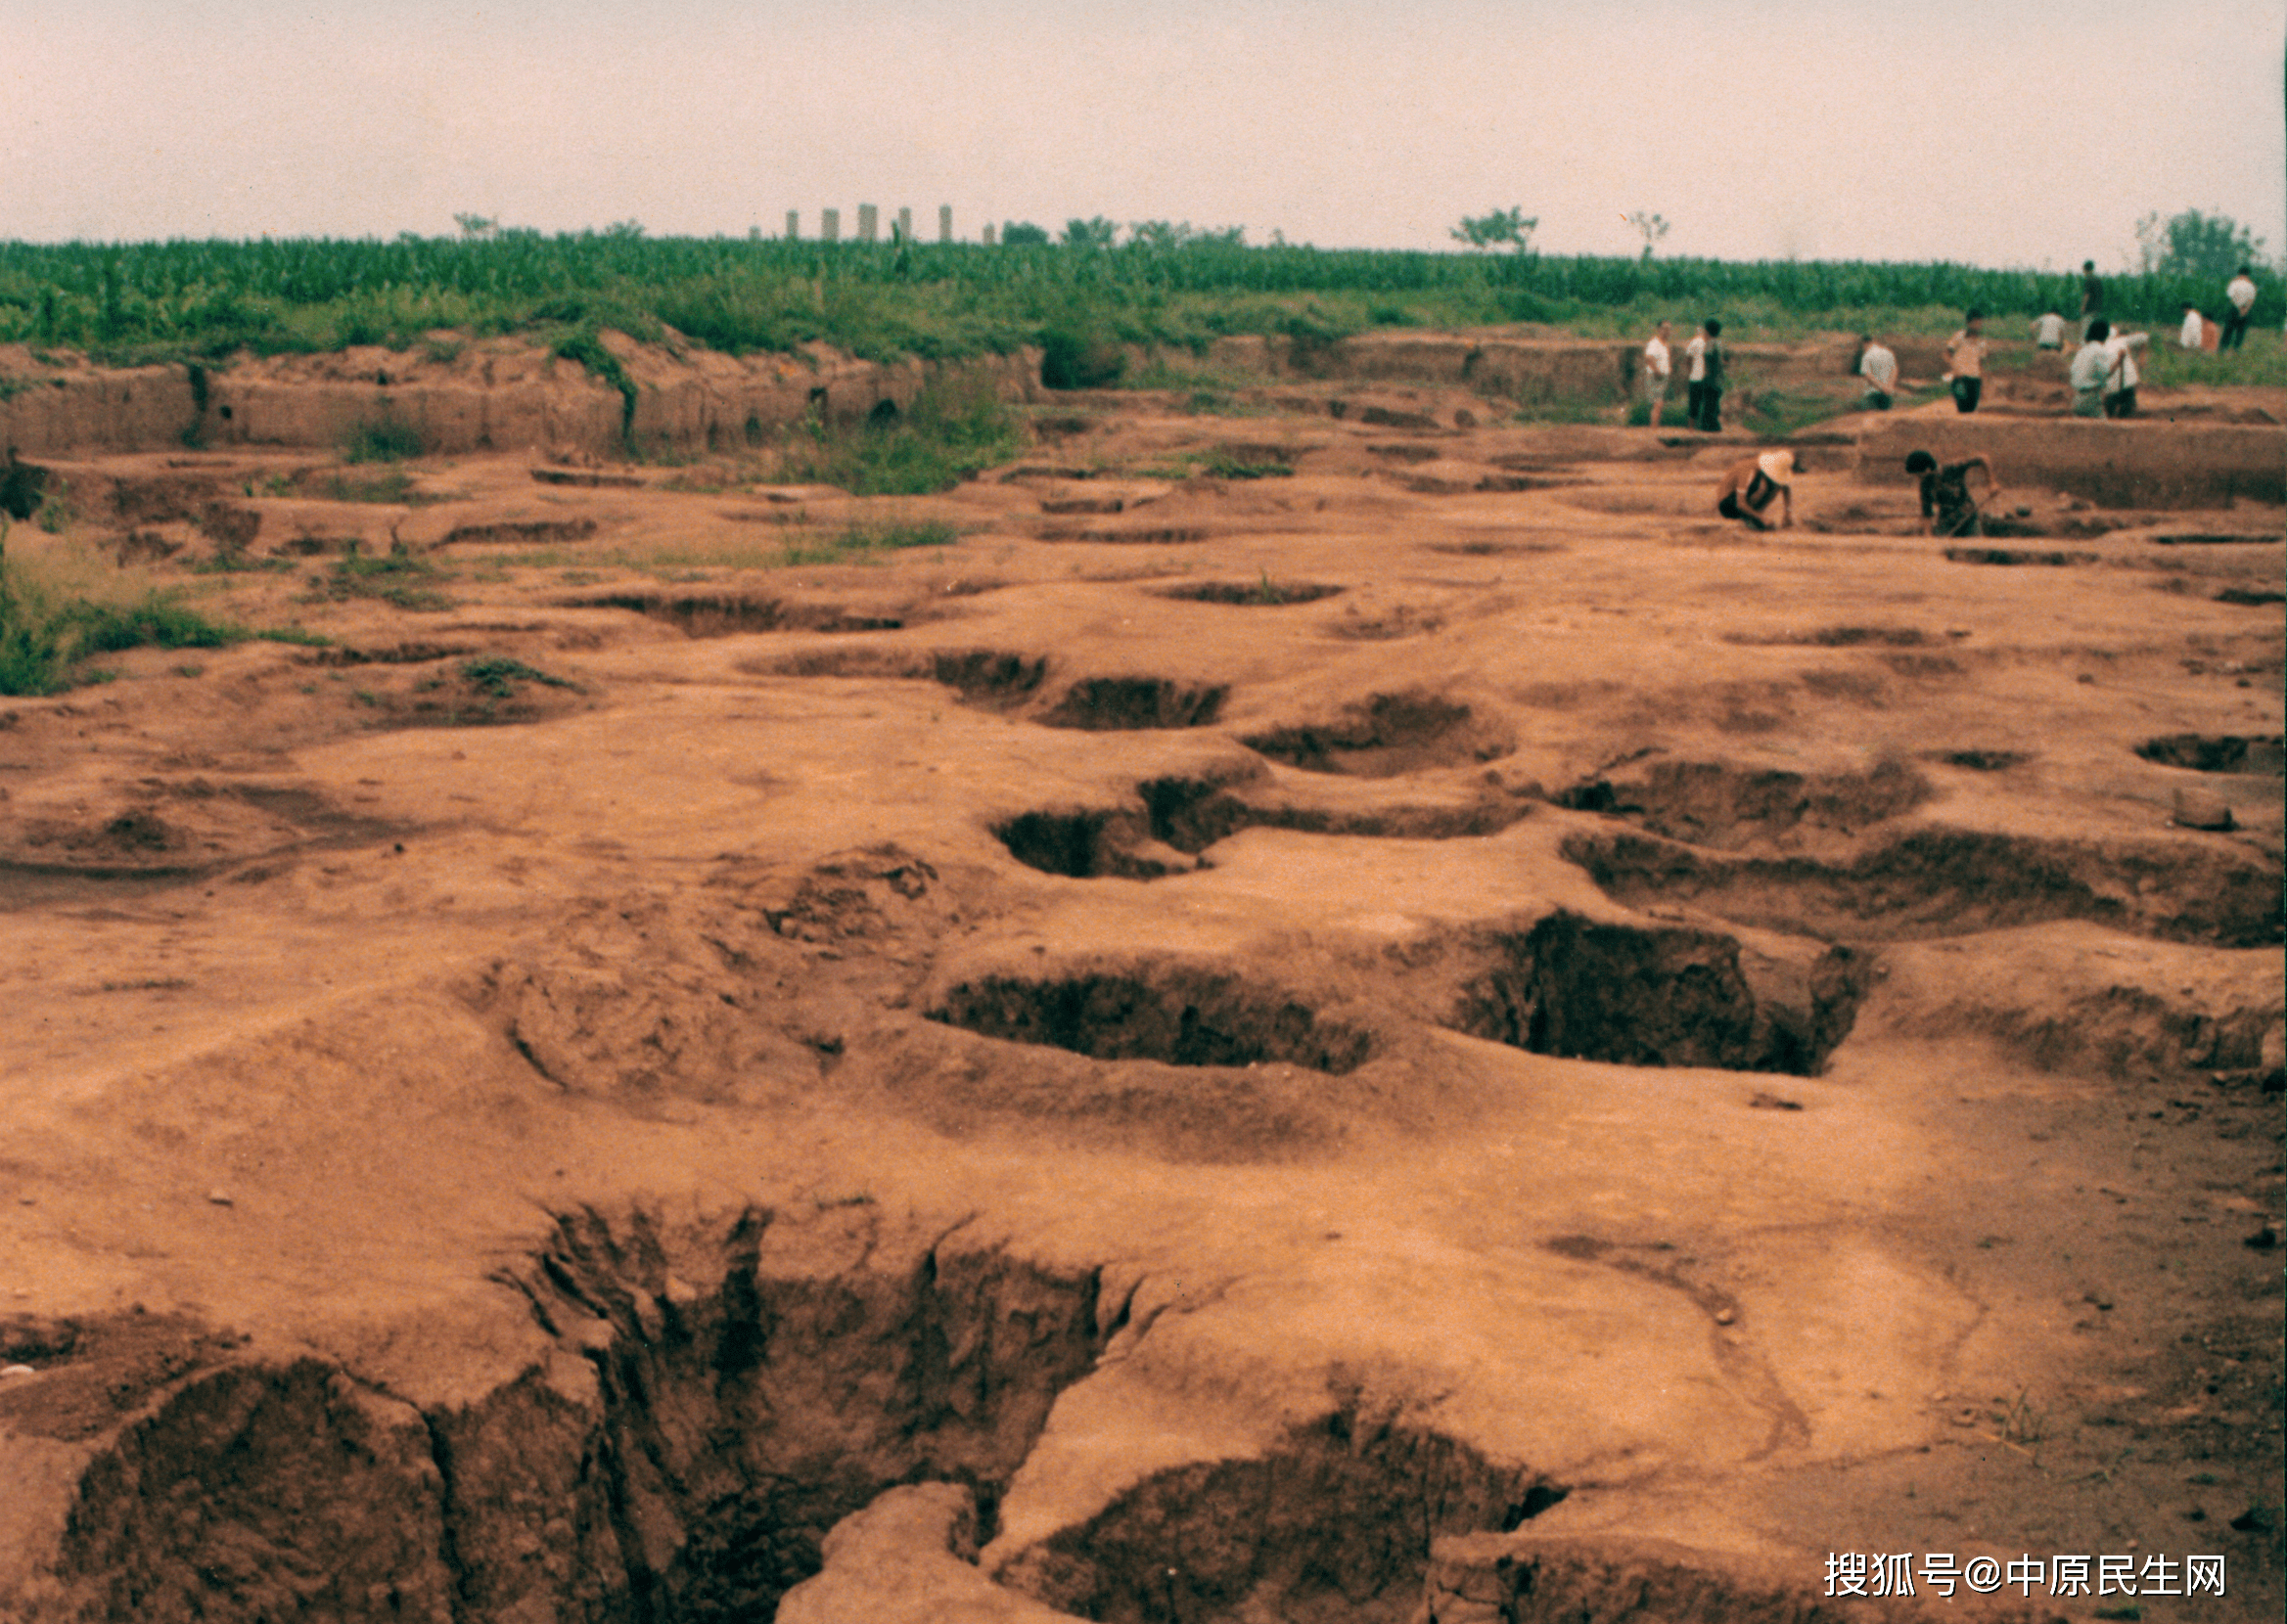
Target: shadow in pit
(1945, 883)
(1386, 737)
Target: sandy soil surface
(1416, 1028)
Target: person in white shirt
(2241, 291)
(2091, 366)
(2195, 328)
(2049, 332)
(2119, 400)
(1656, 372)
(1879, 368)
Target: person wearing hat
(1748, 485)
(1947, 507)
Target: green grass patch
(396, 578)
(499, 676)
(384, 441)
(61, 608)
(860, 543)
(956, 427)
(1222, 465)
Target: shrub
(386, 441)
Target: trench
(1184, 816)
(1386, 737)
(1942, 882)
(1264, 594)
(715, 1405)
(722, 1431)
(1335, 1522)
(2215, 752)
(722, 614)
(1104, 704)
(1178, 1015)
(1661, 996)
(1712, 803)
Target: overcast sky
(1998, 132)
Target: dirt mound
(1940, 883)
(1176, 1013)
(1388, 735)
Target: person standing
(1947, 508)
(1656, 372)
(1965, 361)
(2240, 290)
(1879, 368)
(1706, 405)
(2092, 297)
(2091, 365)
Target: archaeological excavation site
(1321, 997)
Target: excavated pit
(1264, 594)
(1386, 737)
(2215, 752)
(1182, 817)
(1943, 882)
(1109, 705)
(1335, 1522)
(1664, 996)
(2015, 555)
(1712, 803)
(1176, 1013)
(994, 679)
(733, 1402)
(725, 614)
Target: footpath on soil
(1336, 1009)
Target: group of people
(1703, 384)
(1753, 485)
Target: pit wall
(2138, 462)
(497, 395)
(1530, 371)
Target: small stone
(1725, 1315)
(221, 1198)
(2202, 809)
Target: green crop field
(132, 301)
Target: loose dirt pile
(1377, 1018)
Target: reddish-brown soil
(1444, 1035)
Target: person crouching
(1750, 485)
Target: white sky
(1997, 132)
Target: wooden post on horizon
(905, 225)
(945, 222)
(992, 232)
(829, 225)
(869, 223)
(794, 225)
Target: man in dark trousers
(2091, 296)
(1947, 507)
(1704, 403)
